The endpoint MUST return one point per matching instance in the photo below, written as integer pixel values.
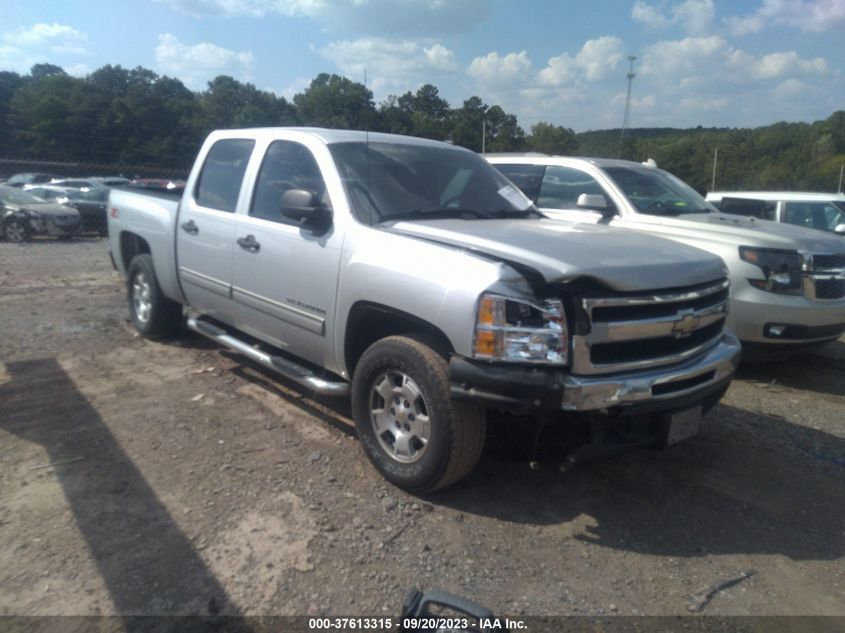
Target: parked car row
(414, 277)
(88, 197)
(23, 215)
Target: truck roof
(329, 136)
(774, 196)
(546, 159)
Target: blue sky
(699, 62)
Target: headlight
(520, 331)
(781, 268)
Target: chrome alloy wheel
(141, 297)
(399, 416)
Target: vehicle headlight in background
(520, 331)
(781, 268)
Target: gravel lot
(176, 478)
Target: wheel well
(370, 322)
(130, 246)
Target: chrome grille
(824, 277)
(641, 331)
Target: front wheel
(16, 230)
(153, 314)
(411, 430)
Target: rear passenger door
(205, 228)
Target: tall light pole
(713, 179)
(626, 120)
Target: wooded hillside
(116, 115)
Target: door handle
(248, 243)
(190, 227)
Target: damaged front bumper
(660, 390)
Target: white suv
(823, 211)
(787, 282)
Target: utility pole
(626, 120)
(713, 180)
(483, 135)
(841, 168)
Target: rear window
(222, 174)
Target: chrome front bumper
(586, 393)
(655, 390)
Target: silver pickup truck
(787, 282)
(414, 276)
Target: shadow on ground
(726, 491)
(819, 372)
(147, 564)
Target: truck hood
(728, 229)
(563, 251)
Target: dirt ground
(175, 478)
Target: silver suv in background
(822, 211)
(787, 282)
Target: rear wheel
(411, 430)
(153, 314)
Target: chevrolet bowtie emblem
(686, 325)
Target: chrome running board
(287, 368)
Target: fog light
(775, 331)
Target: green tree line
(135, 116)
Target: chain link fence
(77, 193)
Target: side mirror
(840, 229)
(596, 202)
(305, 206)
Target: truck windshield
(393, 181)
(656, 192)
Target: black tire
(17, 230)
(156, 316)
(455, 429)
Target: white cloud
(806, 15)
(16, 60)
(78, 70)
(697, 61)
(694, 16)
(57, 38)
(391, 65)
(40, 34)
(201, 62)
(596, 59)
(774, 65)
(493, 69)
(671, 60)
(649, 15)
(599, 57)
(403, 18)
(296, 86)
(792, 88)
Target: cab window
(219, 182)
(561, 187)
(286, 165)
(814, 215)
(526, 177)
